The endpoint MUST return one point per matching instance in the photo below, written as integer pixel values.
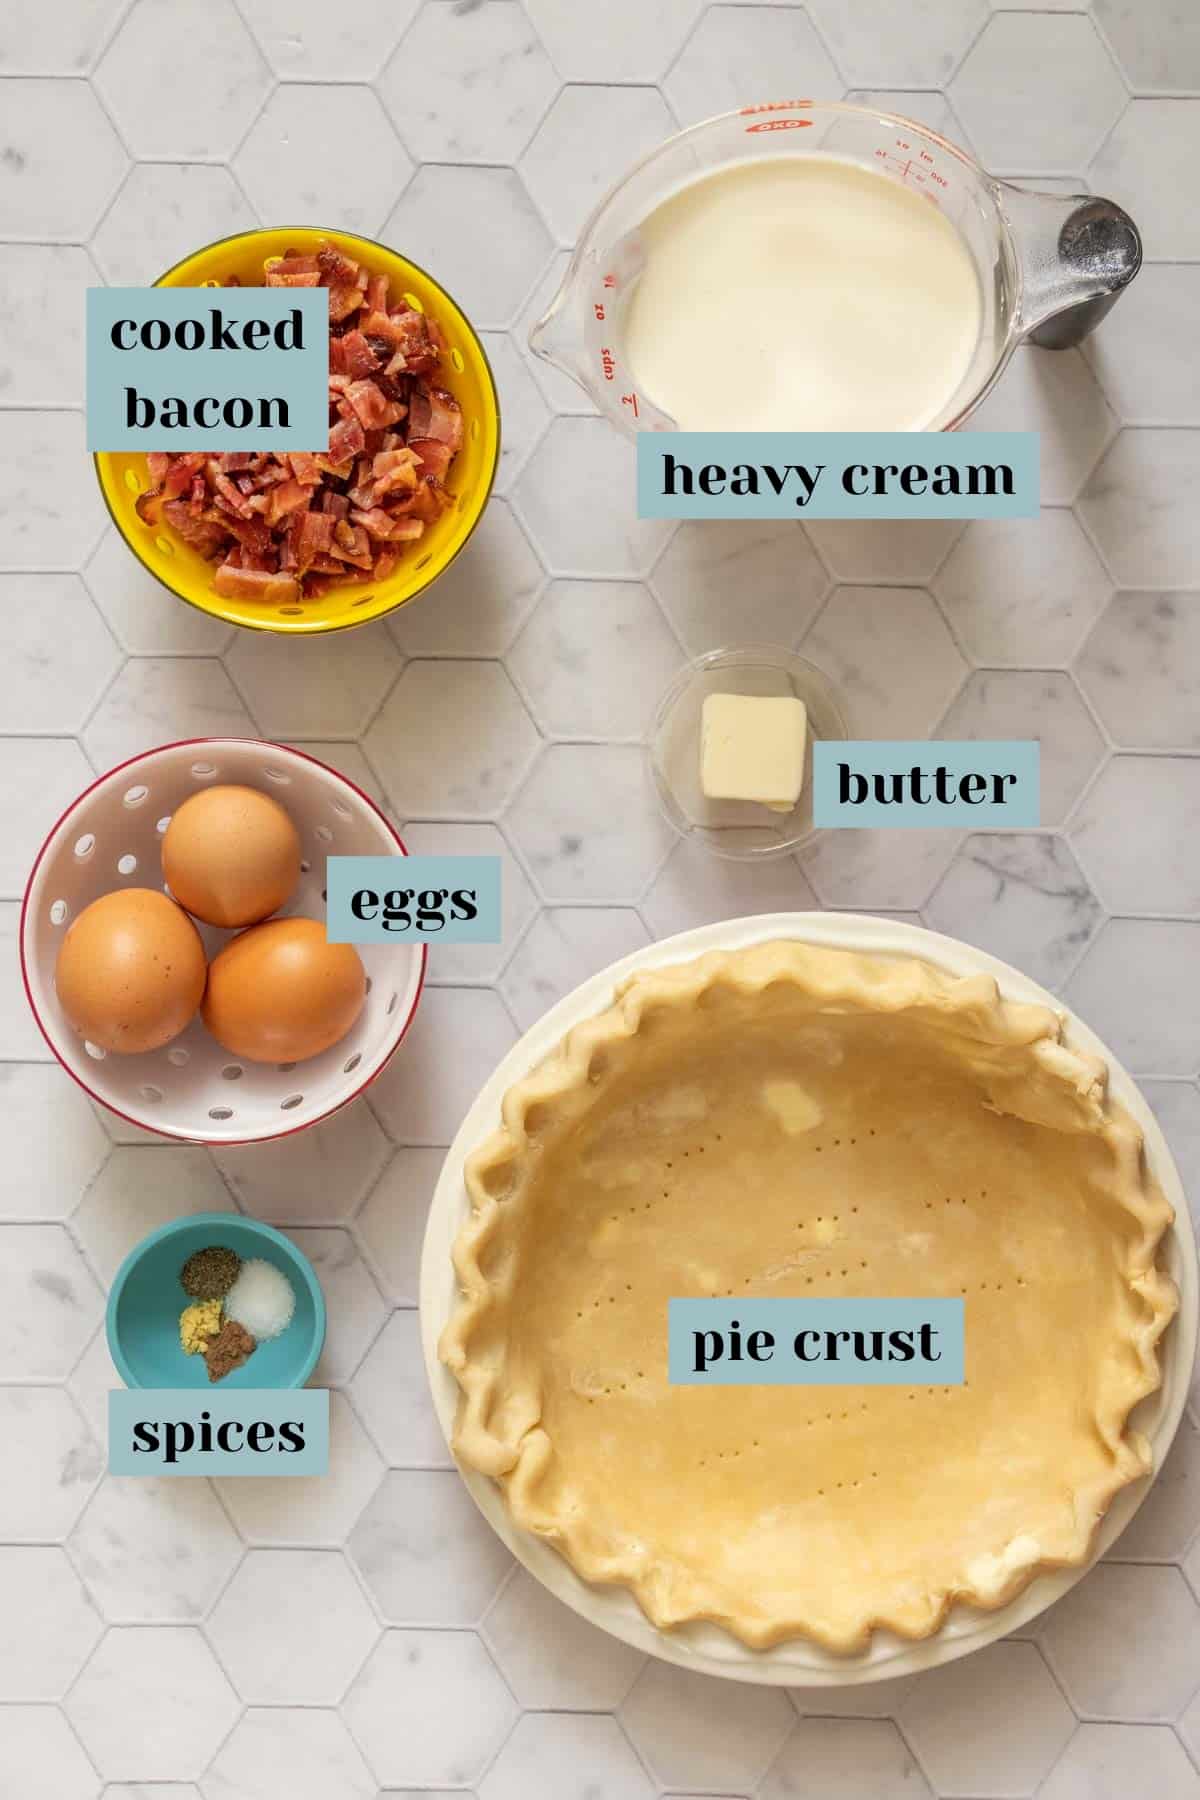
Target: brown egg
(280, 993)
(231, 855)
(131, 971)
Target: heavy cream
(802, 293)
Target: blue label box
(247, 368)
(838, 475)
(426, 899)
(194, 1431)
(918, 784)
(825, 1342)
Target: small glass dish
(740, 829)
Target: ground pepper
(209, 1274)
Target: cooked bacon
(409, 335)
(351, 544)
(145, 504)
(392, 469)
(225, 490)
(428, 503)
(305, 468)
(343, 301)
(385, 525)
(254, 584)
(372, 407)
(434, 457)
(199, 533)
(346, 441)
(288, 526)
(179, 477)
(434, 413)
(309, 535)
(285, 499)
(359, 360)
(294, 270)
(251, 533)
(336, 268)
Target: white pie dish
(706, 1648)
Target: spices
(262, 1299)
(230, 1348)
(197, 1324)
(209, 1274)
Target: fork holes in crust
(220, 1112)
(126, 865)
(277, 776)
(59, 912)
(134, 796)
(232, 1072)
(84, 846)
(178, 1056)
(203, 771)
(151, 1093)
(292, 1100)
(351, 1063)
(324, 833)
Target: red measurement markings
(607, 363)
(780, 125)
(610, 281)
(599, 311)
(918, 168)
(773, 106)
(630, 400)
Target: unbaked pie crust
(790, 1120)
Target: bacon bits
(289, 527)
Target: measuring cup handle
(1077, 256)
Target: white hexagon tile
(366, 1634)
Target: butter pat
(752, 748)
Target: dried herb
(209, 1274)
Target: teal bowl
(147, 1298)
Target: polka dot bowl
(111, 837)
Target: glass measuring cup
(1049, 268)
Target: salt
(262, 1299)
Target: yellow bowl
(465, 372)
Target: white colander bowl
(111, 837)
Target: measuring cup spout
(556, 338)
(1077, 255)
